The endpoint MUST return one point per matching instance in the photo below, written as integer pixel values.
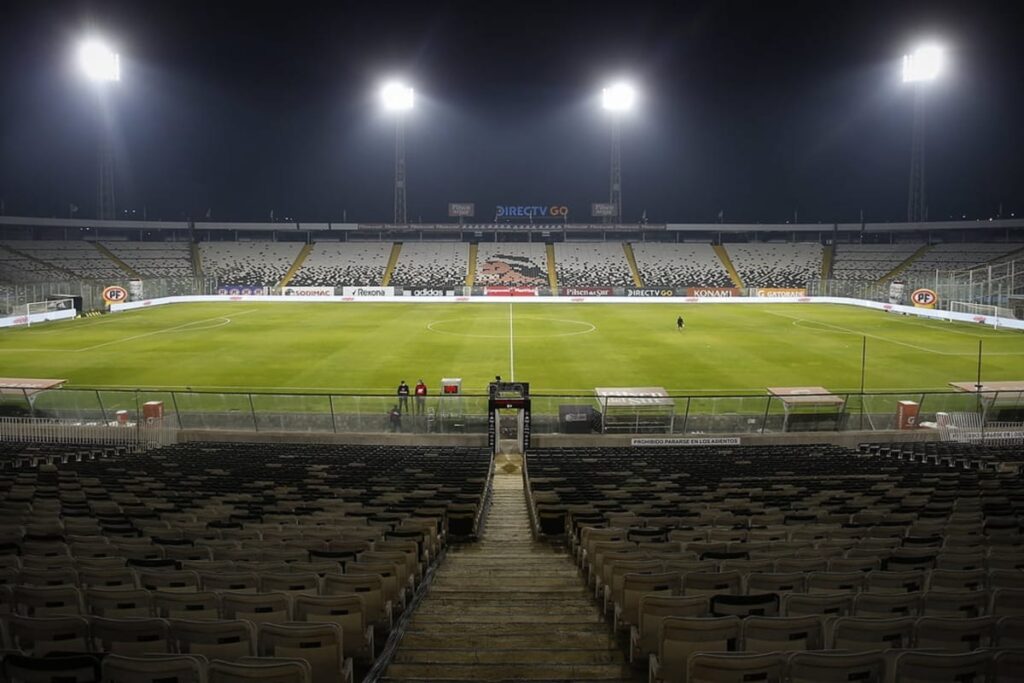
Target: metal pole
(615, 173)
(400, 207)
(916, 207)
(863, 371)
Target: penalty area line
(161, 331)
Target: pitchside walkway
(508, 608)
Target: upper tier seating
(248, 263)
(960, 255)
(512, 263)
(680, 265)
(868, 262)
(344, 264)
(80, 258)
(592, 264)
(776, 264)
(431, 264)
(155, 259)
(18, 269)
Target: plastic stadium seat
(292, 583)
(634, 587)
(888, 604)
(52, 669)
(237, 581)
(682, 636)
(1007, 602)
(180, 668)
(787, 634)
(259, 608)
(178, 581)
(52, 601)
(757, 604)
(1007, 665)
(711, 583)
(896, 581)
(957, 579)
(706, 667)
(345, 610)
(858, 634)
(830, 582)
(256, 669)
(823, 604)
(199, 605)
(227, 639)
(829, 667)
(118, 602)
(652, 610)
(131, 636)
(107, 578)
(954, 634)
(39, 636)
(368, 587)
(936, 667)
(318, 644)
(939, 603)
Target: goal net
(992, 314)
(27, 311)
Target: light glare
(618, 97)
(98, 61)
(923, 64)
(396, 96)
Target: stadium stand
(432, 264)
(155, 259)
(236, 552)
(869, 262)
(16, 268)
(80, 259)
(824, 551)
(341, 264)
(512, 263)
(960, 255)
(775, 264)
(248, 263)
(680, 265)
(592, 264)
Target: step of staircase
(508, 608)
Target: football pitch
(558, 348)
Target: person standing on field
(421, 397)
(680, 324)
(403, 397)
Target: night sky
(758, 109)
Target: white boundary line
(511, 347)
(166, 329)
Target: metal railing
(58, 430)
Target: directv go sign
(516, 211)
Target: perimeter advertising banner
(461, 209)
(713, 292)
(426, 291)
(242, 290)
(778, 292)
(650, 291)
(367, 291)
(586, 291)
(307, 291)
(510, 291)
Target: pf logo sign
(115, 295)
(924, 298)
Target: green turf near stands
(369, 347)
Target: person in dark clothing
(403, 397)
(680, 324)
(395, 419)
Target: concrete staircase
(124, 267)
(300, 258)
(552, 272)
(723, 256)
(508, 608)
(633, 269)
(396, 250)
(921, 251)
(474, 249)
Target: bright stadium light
(98, 61)
(396, 96)
(923, 64)
(618, 97)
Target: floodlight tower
(920, 67)
(617, 99)
(101, 66)
(397, 98)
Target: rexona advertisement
(640, 291)
(367, 291)
(587, 291)
(778, 292)
(307, 291)
(520, 211)
(713, 292)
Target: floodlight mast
(397, 99)
(616, 99)
(101, 66)
(920, 67)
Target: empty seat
(771, 634)
(199, 605)
(318, 644)
(131, 636)
(887, 604)
(345, 610)
(710, 583)
(51, 669)
(759, 604)
(824, 604)
(652, 610)
(937, 667)
(227, 639)
(259, 608)
(255, 669)
(51, 601)
(40, 636)
(777, 582)
(634, 586)
(858, 634)
(829, 667)
(954, 634)
(180, 668)
(682, 636)
(734, 667)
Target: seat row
(319, 642)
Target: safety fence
(99, 432)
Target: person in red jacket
(421, 397)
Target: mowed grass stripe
(326, 347)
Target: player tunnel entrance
(508, 417)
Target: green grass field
(558, 348)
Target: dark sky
(758, 108)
